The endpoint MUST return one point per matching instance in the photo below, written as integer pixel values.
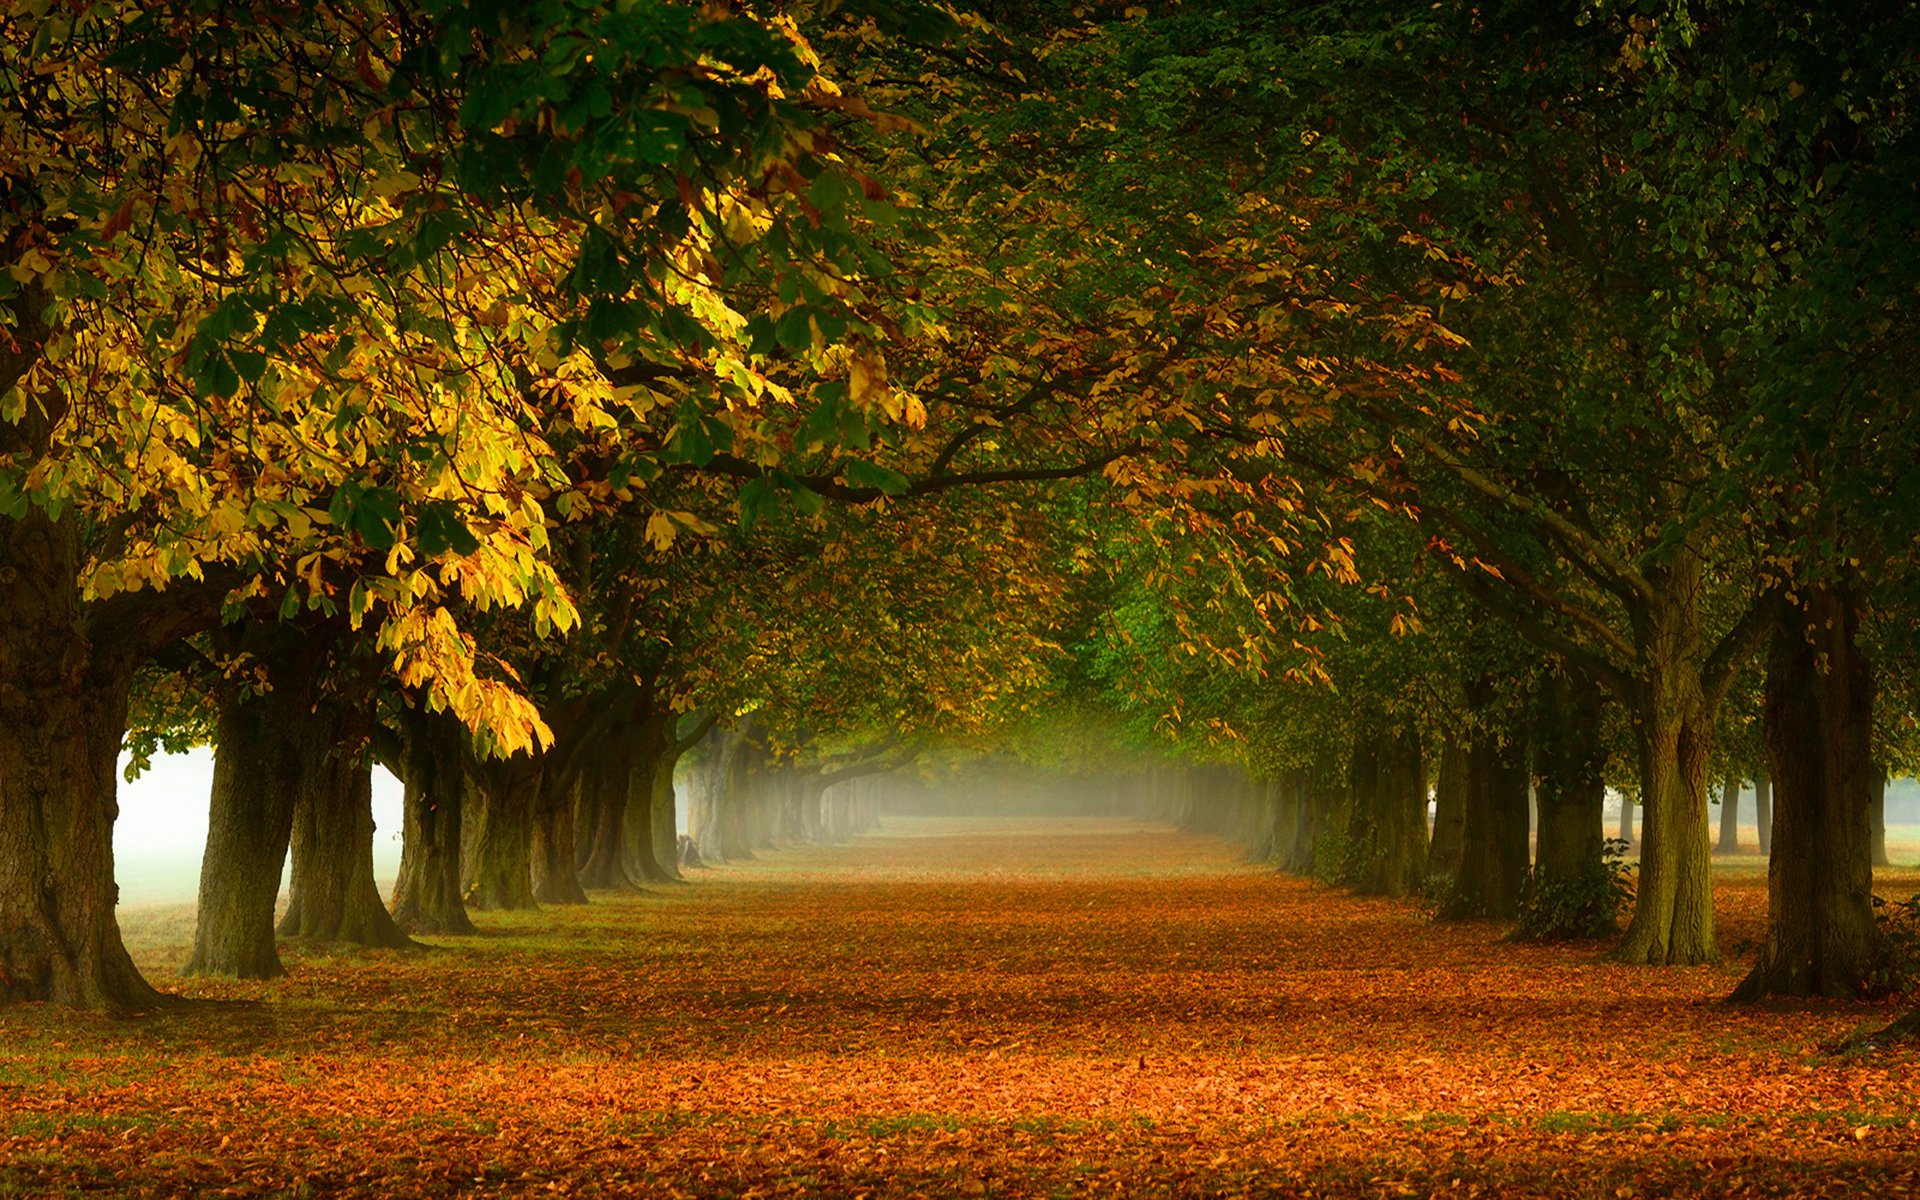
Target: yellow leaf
(661, 530)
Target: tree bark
(1673, 909)
(605, 785)
(63, 715)
(1569, 891)
(1449, 813)
(1627, 806)
(260, 757)
(555, 873)
(654, 787)
(1821, 936)
(1572, 760)
(1763, 810)
(496, 865)
(427, 895)
(333, 897)
(1877, 818)
(1493, 842)
(1394, 862)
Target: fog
(162, 829)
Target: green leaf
(440, 529)
(756, 501)
(861, 473)
(795, 330)
(376, 516)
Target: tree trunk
(1449, 814)
(63, 714)
(556, 878)
(605, 785)
(1626, 817)
(1763, 810)
(1493, 837)
(1877, 819)
(1729, 842)
(1821, 935)
(1314, 806)
(259, 760)
(1673, 909)
(1569, 893)
(1396, 858)
(663, 822)
(426, 896)
(333, 897)
(496, 864)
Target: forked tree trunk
(427, 894)
(1449, 813)
(1821, 935)
(496, 867)
(63, 714)
(1729, 842)
(333, 897)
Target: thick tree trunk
(427, 894)
(1568, 894)
(556, 875)
(1627, 806)
(1449, 814)
(1395, 858)
(63, 711)
(663, 821)
(716, 799)
(1493, 838)
(1821, 935)
(1673, 909)
(605, 785)
(649, 854)
(1315, 809)
(496, 864)
(1729, 842)
(259, 760)
(1763, 810)
(333, 897)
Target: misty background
(162, 830)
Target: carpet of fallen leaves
(987, 1008)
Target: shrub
(1582, 905)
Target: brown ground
(1006, 1007)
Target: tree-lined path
(985, 1006)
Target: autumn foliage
(1072, 1006)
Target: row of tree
(506, 395)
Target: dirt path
(963, 1007)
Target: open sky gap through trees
(1465, 456)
